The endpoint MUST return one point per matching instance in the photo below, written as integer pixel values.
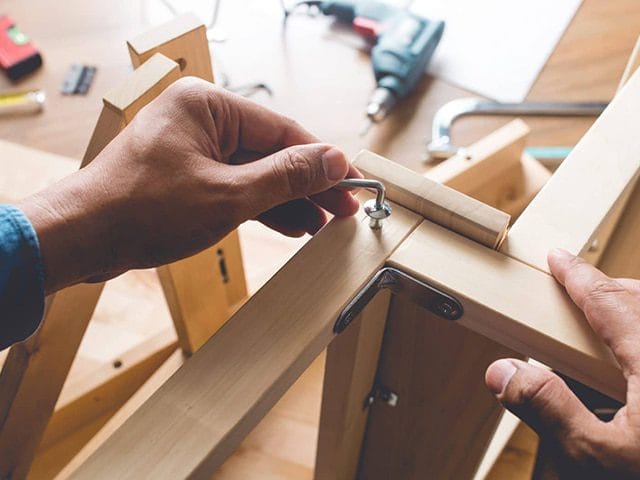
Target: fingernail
(560, 253)
(335, 165)
(499, 376)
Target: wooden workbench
(319, 77)
(317, 73)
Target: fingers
(611, 309)
(259, 129)
(543, 401)
(340, 203)
(295, 218)
(293, 173)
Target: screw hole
(117, 363)
(182, 63)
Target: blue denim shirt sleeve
(21, 277)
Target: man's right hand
(193, 165)
(585, 447)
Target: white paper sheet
(496, 47)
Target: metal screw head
(377, 212)
(448, 309)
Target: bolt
(447, 309)
(377, 212)
(377, 209)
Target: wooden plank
(92, 395)
(598, 245)
(495, 170)
(199, 298)
(444, 415)
(202, 413)
(438, 203)
(183, 39)
(513, 304)
(632, 65)
(518, 458)
(585, 189)
(36, 369)
(235, 284)
(483, 161)
(350, 369)
(621, 258)
(161, 375)
(196, 298)
(124, 101)
(501, 194)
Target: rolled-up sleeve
(21, 277)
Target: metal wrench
(441, 146)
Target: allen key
(377, 209)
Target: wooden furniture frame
(201, 291)
(403, 394)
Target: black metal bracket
(428, 297)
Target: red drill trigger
(366, 27)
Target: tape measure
(18, 55)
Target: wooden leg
(349, 375)
(232, 271)
(35, 371)
(196, 298)
(444, 416)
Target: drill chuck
(381, 102)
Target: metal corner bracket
(428, 297)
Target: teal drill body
(405, 44)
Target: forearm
(72, 223)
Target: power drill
(405, 43)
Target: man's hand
(193, 165)
(586, 446)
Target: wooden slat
(495, 170)
(632, 65)
(102, 390)
(513, 304)
(585, 189)
(35, 370)
(202, 413)
(598, 246)
(198, 298)
(444, 415)
(436, 202)
(350, 370)
(183, 39)
(159, 377)
(481, 162)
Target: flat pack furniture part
(37, 368)
(196, 419)
(492, 167)
(507, 156)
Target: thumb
(292, 173)
(543, 401)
